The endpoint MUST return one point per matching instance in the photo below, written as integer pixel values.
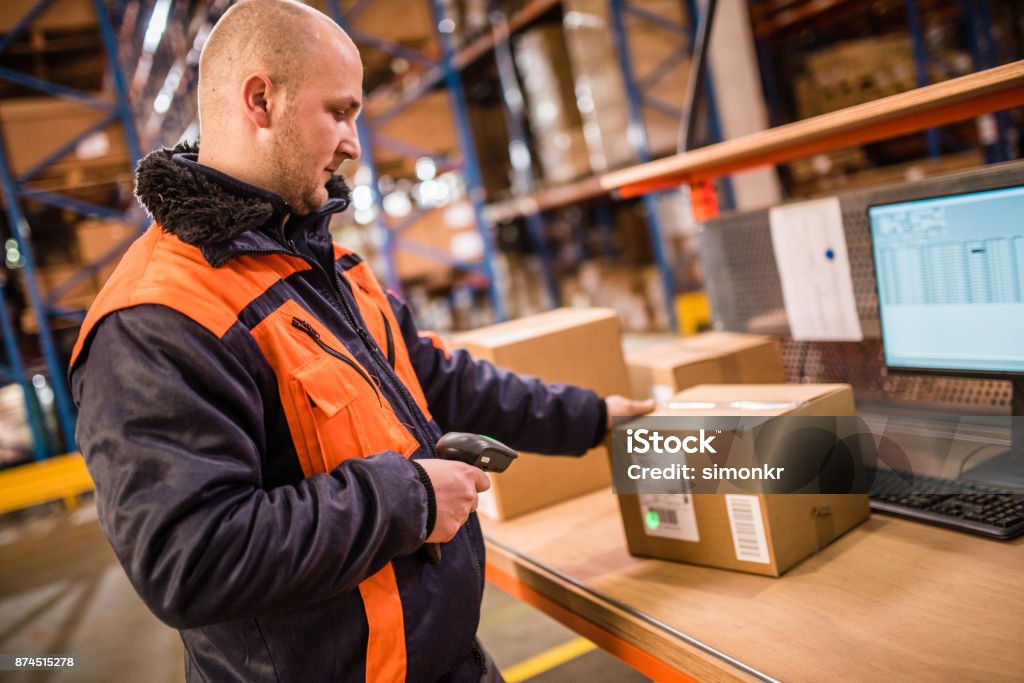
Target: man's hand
(620, 406)
(455, 487)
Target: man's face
(318, 126)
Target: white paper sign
(814, 268)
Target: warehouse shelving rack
(640, 94)
(993, 90)
(514, 109)
(18, 188)
(443, 68)
(776, 16)
(446, 69)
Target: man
(259, 416)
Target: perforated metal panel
(746, 296)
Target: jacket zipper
(391, 339)
(371, 346)
(374, 349)
(300, 324)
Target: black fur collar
(202, 206)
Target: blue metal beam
(606, 224)
(55, 89)
(471, 168)
(380, 221)
(638, 136)
(661, 105)
(64, 202)
(664, 67)
(29, 17)
(75, 315)
(17, 190)
(89, 270)
(768, 84)
(123, 106)
(697, 22)
(66, 148)
(513, 106)
(921, 67)
(655, 18)
(392, 48)
(40, 440)
(56, 369)
(408, 149)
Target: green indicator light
(653, 519)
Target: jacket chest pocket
(339, 410)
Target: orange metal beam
(869, 132)
(642, 661)
(953, 100)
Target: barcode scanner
(477, 450)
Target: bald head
(275, 37)
(280, 87)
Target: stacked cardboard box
(831, 182)
(35, 127)
(709, 358)
(541, 58)
(634, 293)
(574, 346)
(448, 232)
(428, 124)
(600, 87)
(98, 238)
(48, 279)
(598, 84)
(857, 71)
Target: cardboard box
(709, 358)
(575, 346)
(441, 231)
(50, 278)
(598, 80)
(35, 127)
(97, 238)
(551, 108)
(758, 534)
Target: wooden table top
(891, 600)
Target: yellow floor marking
(545, 661)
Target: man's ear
(256, 94)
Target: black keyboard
(957, 504)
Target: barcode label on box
(669, 515)
(747, 527)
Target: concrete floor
(63, 592)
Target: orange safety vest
(333, 405)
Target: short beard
(289, 172)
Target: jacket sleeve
(170, 424)
(469, 395)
